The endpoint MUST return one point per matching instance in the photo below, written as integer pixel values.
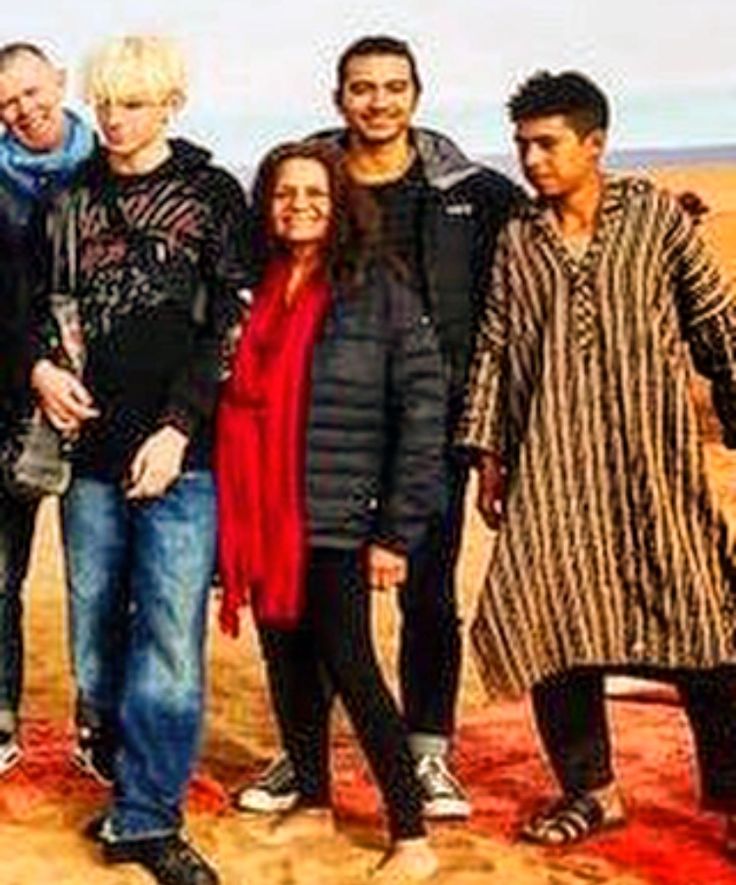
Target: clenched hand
(157, 463)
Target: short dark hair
(352, 237)
(569, 93)
(11, 51)
(379, 44)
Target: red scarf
(260, 455)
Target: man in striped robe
(612, 553)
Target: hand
(491, 488)
(63, 398)
(157, 463)
(385, 569)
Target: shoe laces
(436, 777)
(182, 858)
(278, 775)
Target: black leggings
(334, 639)
(571, 719)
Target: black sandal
(569, 820)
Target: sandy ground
(40, 817)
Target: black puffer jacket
(376, 422)
(468, 205)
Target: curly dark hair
(353, 233)
(569, 93)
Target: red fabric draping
(260, 454)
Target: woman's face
(301, 207)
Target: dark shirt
(159, 259)
(402, 204)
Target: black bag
(34, 460)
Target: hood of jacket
(445, 165)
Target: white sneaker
(444, 798)
(274, 791)
(10, 751)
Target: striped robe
(612, 550)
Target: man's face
(378, 98)
(132, 124)
(555, 159)
(31, 95)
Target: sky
(262, 70)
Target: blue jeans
(139, 576)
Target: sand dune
(41, 810)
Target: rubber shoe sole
(256, 800)
(442, 808)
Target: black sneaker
(274, 791)
(10, 751)
(170, 859)
(94, 754)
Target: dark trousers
(430, 643)
(335, 637)
(430, 654)
(571, 719)
(17, 519)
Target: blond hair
(152, 68)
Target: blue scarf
(27, 177)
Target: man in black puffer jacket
(440, 214)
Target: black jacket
(376, 421)
(154, 262)
(15, 312)
(469, 203)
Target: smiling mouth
(34, 124)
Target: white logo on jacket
(459, 209)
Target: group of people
(292, 388)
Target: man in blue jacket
(440, 213)
(40, 149)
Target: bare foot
(408, 860)
(611, 801)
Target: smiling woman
(329, 467)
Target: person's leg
(276, 789)
(570, 715)
(16, 531)
(301, 707)
(571, 720)
(430, 654)
(339, 609)
(95, 538)
(709, 699)
(172, 562)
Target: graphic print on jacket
(158, 261)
